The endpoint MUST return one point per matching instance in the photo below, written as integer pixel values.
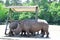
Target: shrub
(3, 12)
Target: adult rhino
(32, 26)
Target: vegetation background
(48, 10)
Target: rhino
(13, 25)
(32, 26)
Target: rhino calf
(13, 25)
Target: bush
(3, 13)
(54, 9)
(27, 15)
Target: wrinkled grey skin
(13, 25)
(32, 26)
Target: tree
(16, 2)
(1, 1)
(7, 3)
(49, 1)
(54, 0)
(36, 2)
(28, 1)
(59, 0)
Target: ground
(54, 34)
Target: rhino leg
(11, 33)
(21, 33)
(47, 34)
(42, 32)
(28, 33)
(32, 33)
(24, 33)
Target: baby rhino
(32, 26)
(13, 25)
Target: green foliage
(15, 16)
(52, 12)
(3, 11)
(54, 9)
(26, 15)
(44, 10)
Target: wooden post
(10, 15)
(7, 22)
(36, 16)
